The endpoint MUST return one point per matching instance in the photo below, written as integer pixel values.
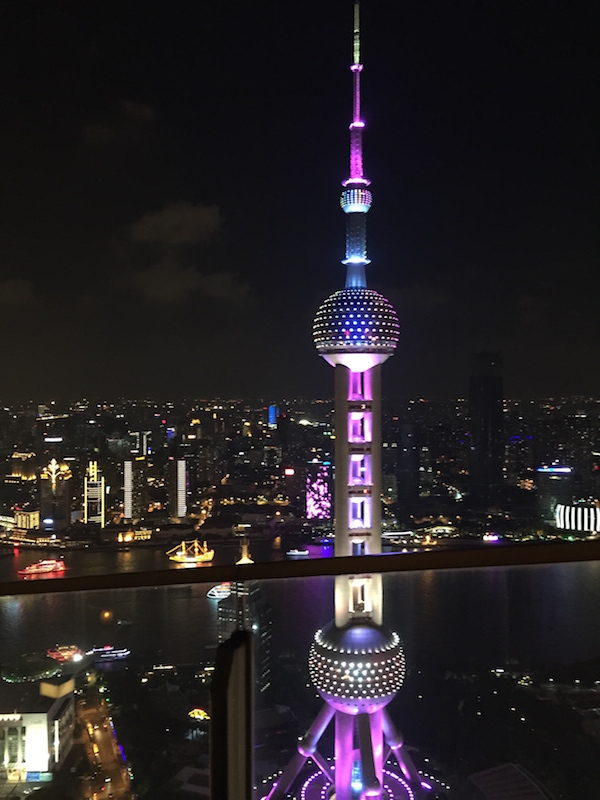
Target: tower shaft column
(357, 488)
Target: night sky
(170, 177)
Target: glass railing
(106, 679)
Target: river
(449, 619)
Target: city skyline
(170, 224)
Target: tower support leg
(344, 753)
(402, 756)
(371, 785)
(306, 748)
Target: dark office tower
(407, 468)
(247, 609)
(55, 497)
(487, 426)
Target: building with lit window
(177, 487)
(94, 495)
(36, 728)
(135, 489)
(55, 497)
(554, 486)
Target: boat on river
(65, 652)
(45, 566)
(191, 553)
(220, 592)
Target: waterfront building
(355, 662)
(554, 486)
(55, 496)
(486, 456)
(579, 519)
(177, 487)
(23, 466)
(135, 491)
(36, 728)
(94, 494)
(27, 520)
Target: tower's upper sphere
(356, 669)
(356, 327)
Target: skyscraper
(93, 495)
(486, 397)
(55, 496)
(135, 499)
(355, 662)
(177, 487)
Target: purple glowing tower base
(357, 671)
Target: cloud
(124, 126)
(166, 282)
(178, 224)
(170, 282)
(15, 291)
(226, 286)
(138, 112)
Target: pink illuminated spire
(357, 124)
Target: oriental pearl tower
(355, 662)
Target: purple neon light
(318, 493)
(316, 787)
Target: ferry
(219, 592)
(45, 566)
(295, 553)
(192, 553)
(108, 653)
(65, 652)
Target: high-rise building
(319, 502)
(246, 608)
(355, 662)
(486, 458)
(554, 486)
(55, 497)
(407, 468)
(94, 495)
(177, 487)
(135, 500)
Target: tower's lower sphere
(356, 669)
(356, 320)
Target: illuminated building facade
(177, 487)
(94, 495)
(355, 662)
(319, 502)
(55, 496)
(135, 493)
(580, 519)
(36, 728)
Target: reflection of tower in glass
(355, 662)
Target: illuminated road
(111, 779)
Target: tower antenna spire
(357, 32)
(356, 199)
